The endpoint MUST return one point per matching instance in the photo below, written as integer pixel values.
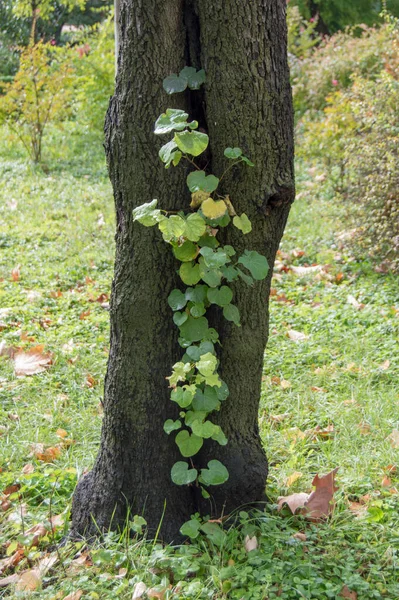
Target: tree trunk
(246, 103)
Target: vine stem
(191, 161)
(229, 168)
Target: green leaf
(188, 444)
(170, 425)
(194, 415)
(194, 78)
(247, 278)
(179, 318)
(222, 392)
(229, 250)
(207, 364)
(211, 335)
(197, 309)
(177, 300)
(206, 400)
(191, 142)
(212, 277)
(208, 241)
(230, 273)
(194, 353)
(181, 474)
(214, 533)
(183, 396)
(220, 296)
(214, 259)
(242, 223)
(179, 373)
(233, 153)
(255, 263)
(194, 330)
(215, 474)
(147, 214)
(167, 152)
(172, 227)
(186, 252)
(190, 273)
(176, 158)
(195, 227)
(247, 161)
(197, 294)
(198, 180)
(174, 84)
(205, 430)
(220, 438)
(231, 313)
(173, 119)
(191, 528)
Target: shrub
(40, 94)
(333, 63)
(359, 133)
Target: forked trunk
(246, 103)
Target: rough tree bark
(246, 102)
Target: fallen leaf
(297, 336)
(300, 536)
(31, 362)
(46, 454)
(285, 384)
(83, 315)
(90, 381)
(385, 365)
(317, 505)
(74, 595)
(11, 561)
(157, 593)
(320, 432)
(279, 418)
(10, 580)
(29, 581)
(393, 438)
(251, 543)
(16, 273)
(139, 589)
(347, 593)
(56, 294)
(38, 532)
(364, 428)
(315, 388)
(61, 433)
(293, 478)
(352, 300)
(358, 508)
(306, 271)
(386, 482)
(11, 489)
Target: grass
(56, 231)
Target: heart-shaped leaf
(212, 209)
(215, 474)
(181, 474)
(220, 296)
(191, 142)
(188, 444)
(256, 264)
(198, 180)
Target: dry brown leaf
(139, 589)
(29, 581)
(160, 594)
(285, 384)
(46, 454)
(11, 561)
(28, 469)
(296, 336)
(11, 489)
(364, 428)
(74, 595)
(293, 501)
(347, 593)
(352, 300)
(385, 365)
(393, 438)
(31, 362)
(90, 381)
(300, 536)
(83, 315)
(315, 388)
(317, 505)
(6, 351)
(358, 508)
(306, 271)
(56, 294)
(10, 580)
(279, 418)
(386, 482)
(251, 543)
(38, 532)
(293, 478)
(320, 432)
(61, 433)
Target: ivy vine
(206, 269)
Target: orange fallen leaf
(31, 362)
(46, 454)
(90, 381)
(11, 489)
(38, 531)
(29, 581)
(315, 388)
(74, 595)
(320, 432)
(61, 433)
(279, 418)
(56, 294)
(11, 561)
(347, 593)
(386, 482)
(84, 314)
(300, 536)
(16, 273)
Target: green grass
(58, 227)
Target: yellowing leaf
(293, 478)
(29, 581)
(212, 209)
(197, 198)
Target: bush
(40, 94)
(359, 134)
(333, 63)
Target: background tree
(246, 103)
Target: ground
(329, 399)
